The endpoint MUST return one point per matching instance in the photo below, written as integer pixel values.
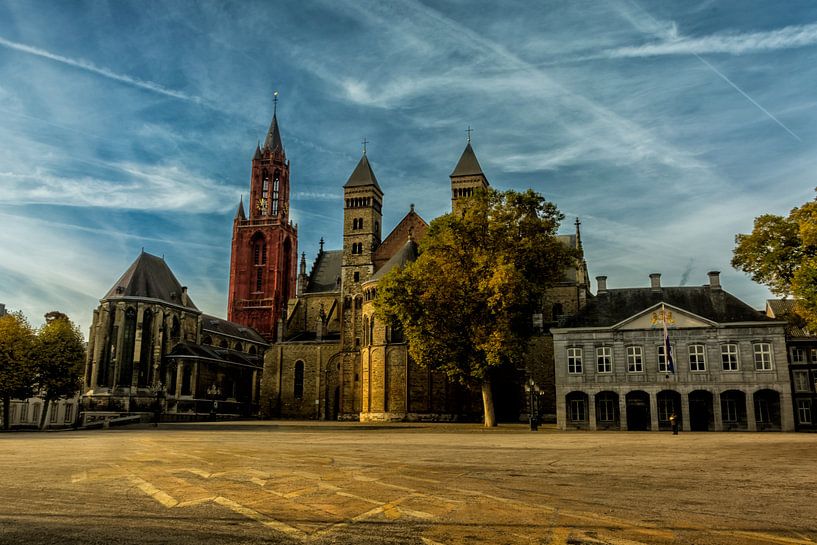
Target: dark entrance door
(700, 410)
(638, 411)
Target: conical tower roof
(149, 277)
(468, 164)
(239, 213)
(273, 139)
(363, 175)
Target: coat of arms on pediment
(653, 318)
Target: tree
(466, 303)
(58, 356)
(16, 370)
(781, 252)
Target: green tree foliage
(58, 356)
(16, 370)
(466, 303)
(781, 252)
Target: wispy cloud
(142, 187)
(732, 43)
(88, 66)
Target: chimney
(602, 283)
(714, 280)
(655, 281)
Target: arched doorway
(607, 416)
(767, 410)
(668, 402)
(700, 410)
(638, 411)
(733, 410)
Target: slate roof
(406, 254)
(273, 139)
(225, 327)
(325, 272)
(616, 305)
(224, 356)
(784, 309)
(468, 164)
(363, 175)
(149, 277)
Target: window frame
(800, 381)
(577, 407)
(662, 359)
(574, 360)
(697, 359)
(804, 409)
(605, 409)
(732, 365)
(763, 364)
(635, 358)
(604, 354)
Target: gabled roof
(273, 139)
(325, 272)
(149, 277)
(363, 175)
(406, 254)
(785, 309)
(616, 305)
(226, 327)
(468, 164)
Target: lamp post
(532, 389)
(212, 392)
(158, 390)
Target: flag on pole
(667, 345)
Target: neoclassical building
(730, 366)
(150, 344)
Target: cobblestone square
(295, 482)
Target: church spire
(239, 213)
(273, 139)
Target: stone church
(330, 357)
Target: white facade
(727, 376)
(27, 413)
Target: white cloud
(142, 187)
(732, 43)
(88, 66)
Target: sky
(667, 127)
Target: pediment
(652, 318)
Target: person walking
(673, 420)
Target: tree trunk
(6, 412)
(44, 415)
(488, 404)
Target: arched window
(252, 351)
(299, 380)
(187, 376)
(265, 185)
(176, 329)
(128, 341)
(146, 353)
(275, 183)
(371, 331)
(259, 249)
(259, 279)
(397, 332)
(366, 339)
(223, 344)
(207, 339)
(238, 347)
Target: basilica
(330, 357)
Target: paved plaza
(272, 482)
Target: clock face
(262, 205)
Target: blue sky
(666, 126)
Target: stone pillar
(179, 375)
(622, 410)
(751, 422)
(787, 411)
(119, 320)
(561, 411)
(685, 424)
(717, 411)
(137, 346)
(591, 410)
(254, 388)
(654, 412)
(100, 333)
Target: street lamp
(532, 389)
(213, 391)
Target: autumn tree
(781, 252)
(58, 356)
(466, 303)
(16, 370)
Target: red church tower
(265, 242)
